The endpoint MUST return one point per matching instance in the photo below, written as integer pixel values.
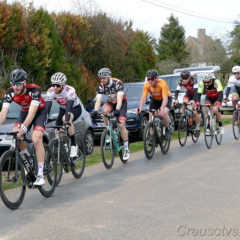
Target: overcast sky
(151, 15)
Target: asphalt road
(190, 193)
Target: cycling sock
(73, 143)
(126, 145)
(40, 168)
(25, 151)
(220, 124)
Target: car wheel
(89, 142)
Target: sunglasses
(151, 79)
(56, 85)
(236, 73)
(206, 81)
(16, 83)
(184, 78)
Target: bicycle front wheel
(182, 131)
(12, 180)
(121, 152)
(218, 137)
(208, 133)
(50, 174)
(149, 140)
(236, 125)
(107, 150)
(78, 162)
(165, 143)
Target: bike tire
(236, 125)
(53, 147)
(149, 141)
(78, 163)
(8, 189)
(107, 150)
(164, 143)
(194, 137)
(218, 137)
(208, 138)
(50, 175)
(182, 131)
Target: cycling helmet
(104, 72)
(18, 75)
(58, 78)
(207, 77)
(236, 69)
(185, 74)
(152, 73)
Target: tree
(171, 45)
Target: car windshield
(133, 91)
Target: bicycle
(187, 125)
(17, 171)
(154, 133)
(211, 129)
(236, 122)
(60, 151)
(111, 142)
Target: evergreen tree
(171, 45)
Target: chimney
(201, 33)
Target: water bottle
(115, 132)
(157, 124)
(190, 121)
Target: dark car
(134, 124)
(83, 127)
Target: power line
(187, 12)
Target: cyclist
(214, 96)
(70, 107)
(117, 102)
(234, 82)
(191, 85)
(161, 98)
(33, 112)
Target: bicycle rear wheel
(182, 131)
(208, 135)
(107, 150)
(236, 124)
(49, 174)
(149, 141)
(78, 163)
(12, 183)
(57, 156)
(122, 150)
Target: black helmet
(152, 73)
(185, 74)
(18, 75)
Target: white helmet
(236, 69)
(58, 78)
(208, 76)
(104, 72)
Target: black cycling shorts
(76, 111)
(38, 122)
(123, 110)
(154, 104)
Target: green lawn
(138, 146)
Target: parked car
(134, 124)
(83, 127)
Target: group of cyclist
(35, 110)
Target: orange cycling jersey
(158, 91)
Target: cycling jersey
(191, 86)
(214, 91)
(233, 82)
(68, 93)
(32, 96)
(158, 91)
(114, 87)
